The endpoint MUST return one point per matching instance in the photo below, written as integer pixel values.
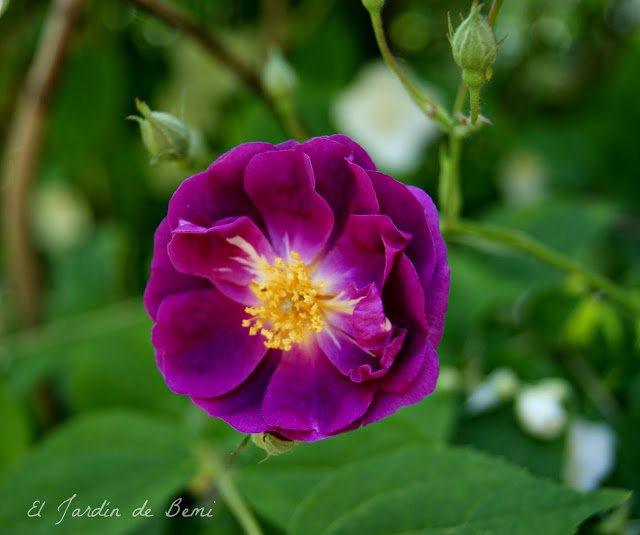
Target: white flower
(539, 409)
(590, 454)
(377, 112)
(499, 386)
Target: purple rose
(297, 290)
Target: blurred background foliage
(561, 162)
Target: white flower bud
(539, 409)
(498, 387)
(590, 454)
(278, 77)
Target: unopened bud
(374, 6)
(474, 50)
(540, 410)
(278, 77)
(273, 443)
(166, 137)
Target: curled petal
(408, 215)
(281, 185)
(437, 291)
(364, 254)
(404, 306)
(228, 254)
(165, 279)
(339, 180)
(205, 351)
(217, 192)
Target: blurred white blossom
(522, 178)
(376, 111)
(540, 410)
(499, 386)
(61, 216)
(590, 454)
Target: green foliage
(83, 408)
(434, 491)
(122, 458)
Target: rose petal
(406, 212)
(360, 156)
(217, 192)
(385, 404)
(242, 408)
(344, 185)
(165, 279)
(228, 254)
(364, 254)
(404, 306)
(206, 352)
(437, 292)
(307, 392)
(281, 185)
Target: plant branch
(216, 48)
(24, 141)
(178, 19)
(213, 473)
(427, 104)
(520, 241)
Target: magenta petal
(397, 201)
(307, 392)
(344, 185)
(364, 254)
(242, 408)
(360, 156)
(281, 185)
(384, 404)
(404, 306)
(217, 192)
(165, 279)
(213, 253)
(437, 292)
(205, 351)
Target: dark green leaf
(121, 458)
(430, 490)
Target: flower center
(290, 308)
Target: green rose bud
(166, 137)
(273, 443)
(375, 6)
(474, 50)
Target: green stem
(460, 97)
(474, 104)
(213, 470)
(522, 242)
(426, 104)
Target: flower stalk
(520, 241)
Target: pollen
(290, 308)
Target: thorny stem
(520, 241)
(427, 104)
(178, 19)
(24, 141)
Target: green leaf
(16, 431)
(430, 490)
(291, 476)
(122, 458)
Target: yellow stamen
(290, 308)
